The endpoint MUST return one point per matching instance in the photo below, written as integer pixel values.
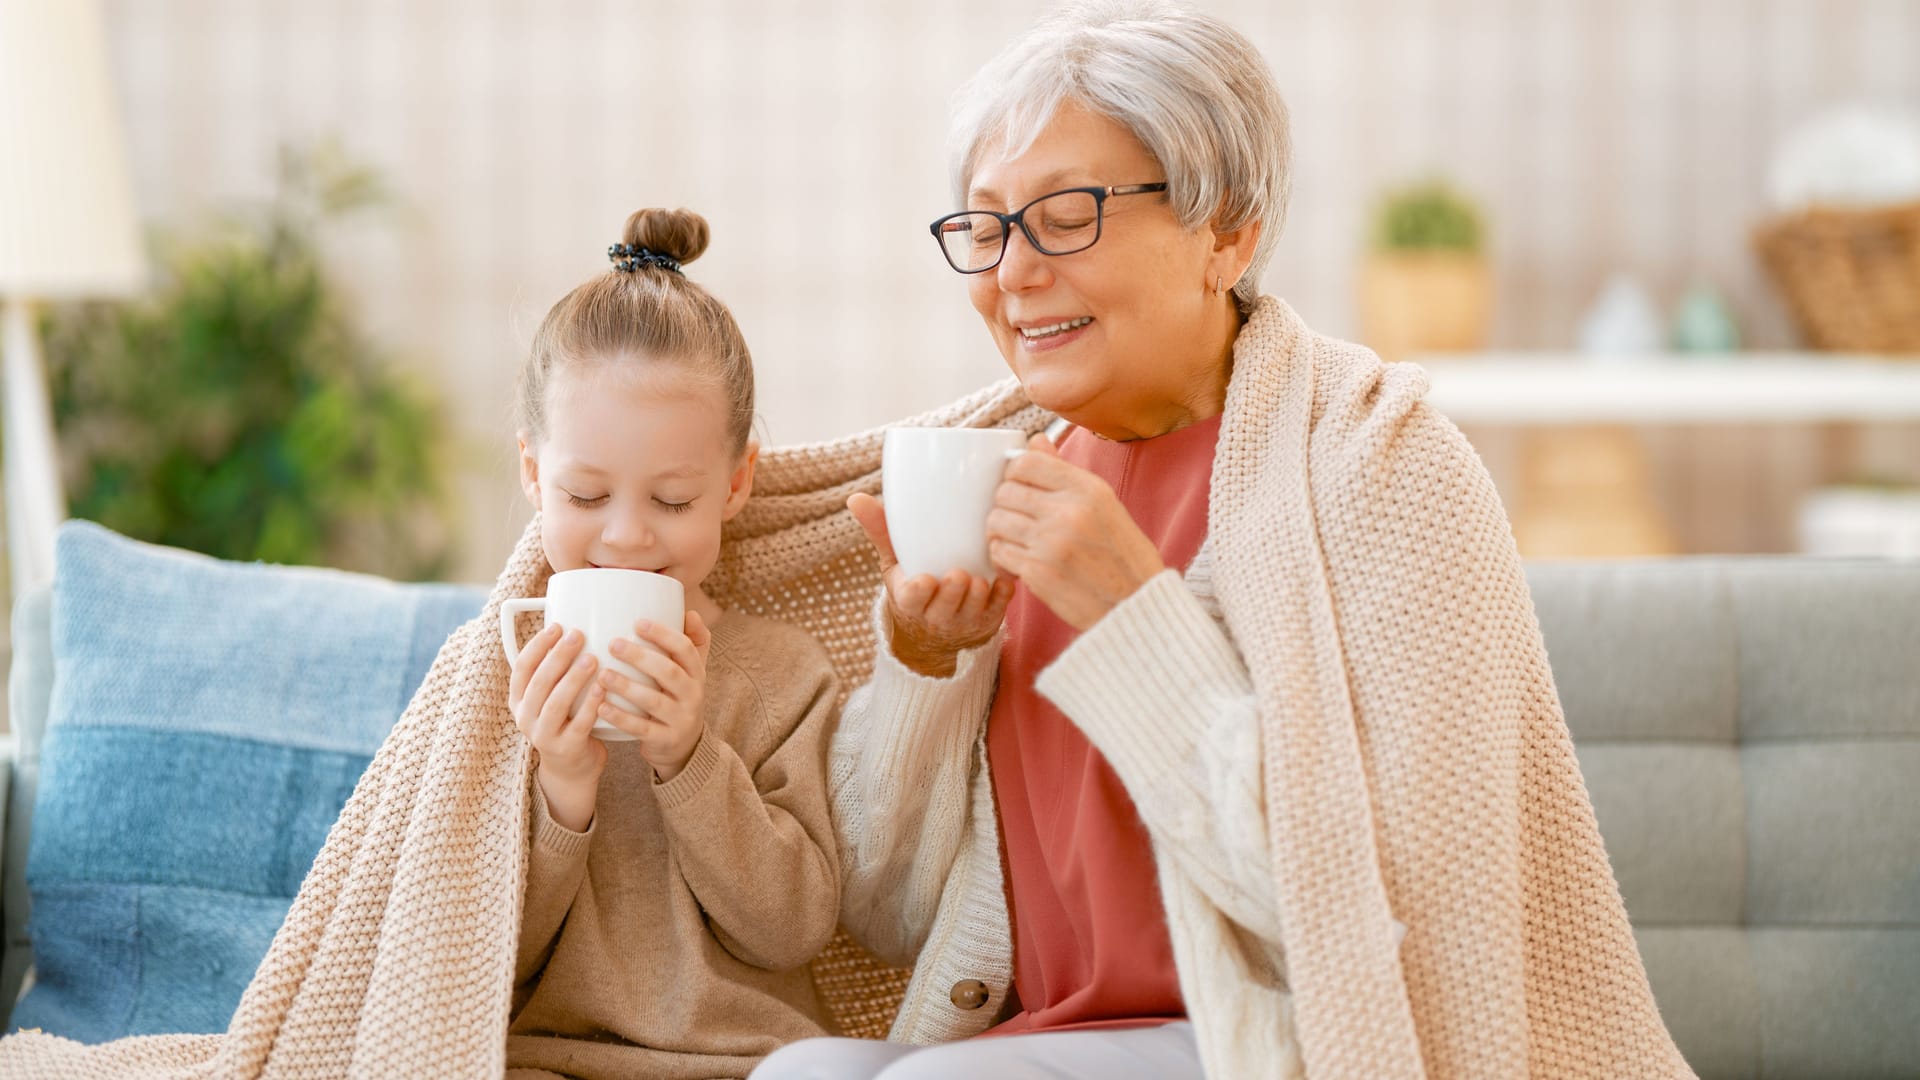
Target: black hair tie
(630, 258)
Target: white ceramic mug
(937, 485)
(603, 604)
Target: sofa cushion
(1834, 825)
(207, 721)
(1640, 650)
(1826, 650)
(1674, 819)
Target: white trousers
(1163, 1052)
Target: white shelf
(1734, 388)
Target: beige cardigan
(1414, 764)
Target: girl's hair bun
(678, 234)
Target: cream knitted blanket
(1417, 767)
(1417, 763)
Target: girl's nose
(627, 532)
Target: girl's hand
(669, 723)
(1062, 531)
(934, 619)
(548, 677)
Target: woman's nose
(1021, 267)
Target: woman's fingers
(1042, 467)
(872, 517)
(998, 597)
(948, 598)
(911, 595)
(979, 595)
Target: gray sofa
(1750, 733)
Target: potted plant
(1425, 286)
(238, 410)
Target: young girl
(677, 884)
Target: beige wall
(1630, 134)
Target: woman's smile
(1046, 334)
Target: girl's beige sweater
(670, 940)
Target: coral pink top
(1090, 943)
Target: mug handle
(509, 613)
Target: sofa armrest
(29, 694)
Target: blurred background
(1661, 256)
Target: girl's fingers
(531, 655)
(698, 634)
(553, 716)
(677, 646)
(578, 725)
(620, 717)
(663, 670)
(554, 667)
(642, 702)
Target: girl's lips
(1052, 341)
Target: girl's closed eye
(578, 501)
(674, 507)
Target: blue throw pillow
(208, 721)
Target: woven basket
(1851, 276)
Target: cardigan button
(969, 994)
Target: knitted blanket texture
(1417, 768)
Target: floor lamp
(67, 231)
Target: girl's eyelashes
(670, 507)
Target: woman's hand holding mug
(1064, 533)
(934, 618)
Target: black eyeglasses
(974, 241)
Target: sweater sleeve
(556, 866)
(901, 780)
(755, 845)
(1160, 690)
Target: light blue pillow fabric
(208, 720)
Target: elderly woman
(1250, 763)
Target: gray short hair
(1195, 92)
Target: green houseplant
(237, 410)
(1425, 286)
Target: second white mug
(937, 485)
